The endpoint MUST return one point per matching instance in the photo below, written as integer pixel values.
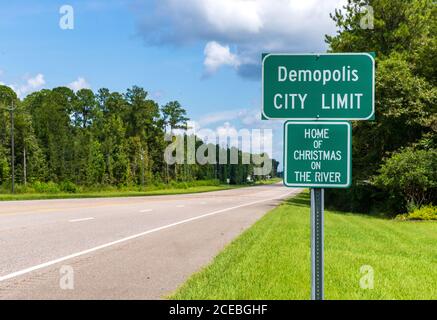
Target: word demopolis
(247, 147)
(345, 74)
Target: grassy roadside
(151, 191)
(271, 260)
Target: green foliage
(406, 27)
(424, 213)
(411, 175)
(174, 115)
(95, 164)
(68, 186)
(46, 187)
(361, 197)
(67, 140)
(7, 96)
(4, 165)
(404, 41)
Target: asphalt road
(120, 248)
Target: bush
(46, 187)
(424, 213)
(68, 186)
(361, 197)
(411, 175)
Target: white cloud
(32, 84)
(249, 118)
(36, 82)
(261, 140)
(212, 118)
(217, 55)
(227, 130)
(78, 84)
(229, 123)
(249, 26)
(230, 16)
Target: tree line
(395, 156)
(104, 138)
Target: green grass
(113, 192)
(271, 260)
(109, 194)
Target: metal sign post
(317, 211)
(317, 155)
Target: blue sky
(203, 53)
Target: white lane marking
(81, 253)
(146, 210)
(82, 219)
(180, 206)
(203, 202)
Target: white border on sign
(313, 185)
(318, 54)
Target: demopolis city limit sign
(313, 89)
(318, 86)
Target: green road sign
(330, 86)
(317, 154)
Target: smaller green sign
(317, 154)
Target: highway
(121, 248)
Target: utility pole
(142, 167)
(25, 165)
(12, 147)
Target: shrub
(363, 198)
(19, 188)
(46, 187)
(424, 213)
(410, 174)
(68, 186)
